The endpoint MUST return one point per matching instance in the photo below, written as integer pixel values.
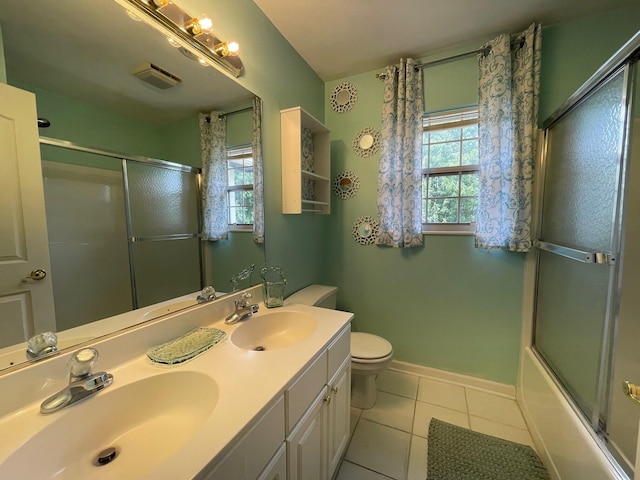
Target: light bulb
(205, 22)
(233, 48)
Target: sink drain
(259, 348)
(106, 456)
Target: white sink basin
(146, 421)
(274, 330)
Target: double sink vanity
(269, 402)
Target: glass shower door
(165, 251)
(579, 242)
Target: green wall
(447, 305)
(276, 73)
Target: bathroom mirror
(78, 57)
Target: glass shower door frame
(597, 422)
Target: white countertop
(247, 381)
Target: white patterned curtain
(507, 124)
(258, 179)
(400, 168)
(213, 151)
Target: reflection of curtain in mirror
(213, 134)
(258, 179)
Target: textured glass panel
(582, 171)
(162, 201)
(166, 269)
(570, 320)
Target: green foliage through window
(240, 185)
(450, 169)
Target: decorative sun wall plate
(346, 185)
(365, 230)
(367, 142)
(343, 97)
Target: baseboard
(457, 378)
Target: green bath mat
(456, 453)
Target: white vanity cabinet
(317, 412)
(256, 454)
(306, 168)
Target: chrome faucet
(207, 294)
(82, 382)
(243, 309)
(42, 345)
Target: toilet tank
(317, 295)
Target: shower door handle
(632, 391)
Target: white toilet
(370, 354)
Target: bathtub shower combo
(584, 272)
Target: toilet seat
(369, 348)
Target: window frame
(248, 149)
(443, 120)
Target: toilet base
(364, 391)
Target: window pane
(468, 208)
(424, 207)
(248, 176)
(442, 210)
(444, 185)
(444, 155)
(470, 152)
(241, 215)
(444, 135)
(470, 132)
(237, 163)
(469, 185)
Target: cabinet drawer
(249, 457)
(302, 392)
(338, 350)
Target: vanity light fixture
(187, 31)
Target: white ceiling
(88, 54)
(339, 38)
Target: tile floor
(389, 441)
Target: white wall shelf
(293, 120)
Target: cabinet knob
(334, 389)
(327, 399)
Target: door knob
(632, 391)
(38, 274)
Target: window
(450, 171)
(240, 185)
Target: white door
(25, 307)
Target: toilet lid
(367, 346)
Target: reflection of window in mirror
(240, 186)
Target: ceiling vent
(156, 76)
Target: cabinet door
(277, 467)
(339, 413)
(307, 444)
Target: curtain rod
(446, 59)
(233, 112)
(518, 42)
